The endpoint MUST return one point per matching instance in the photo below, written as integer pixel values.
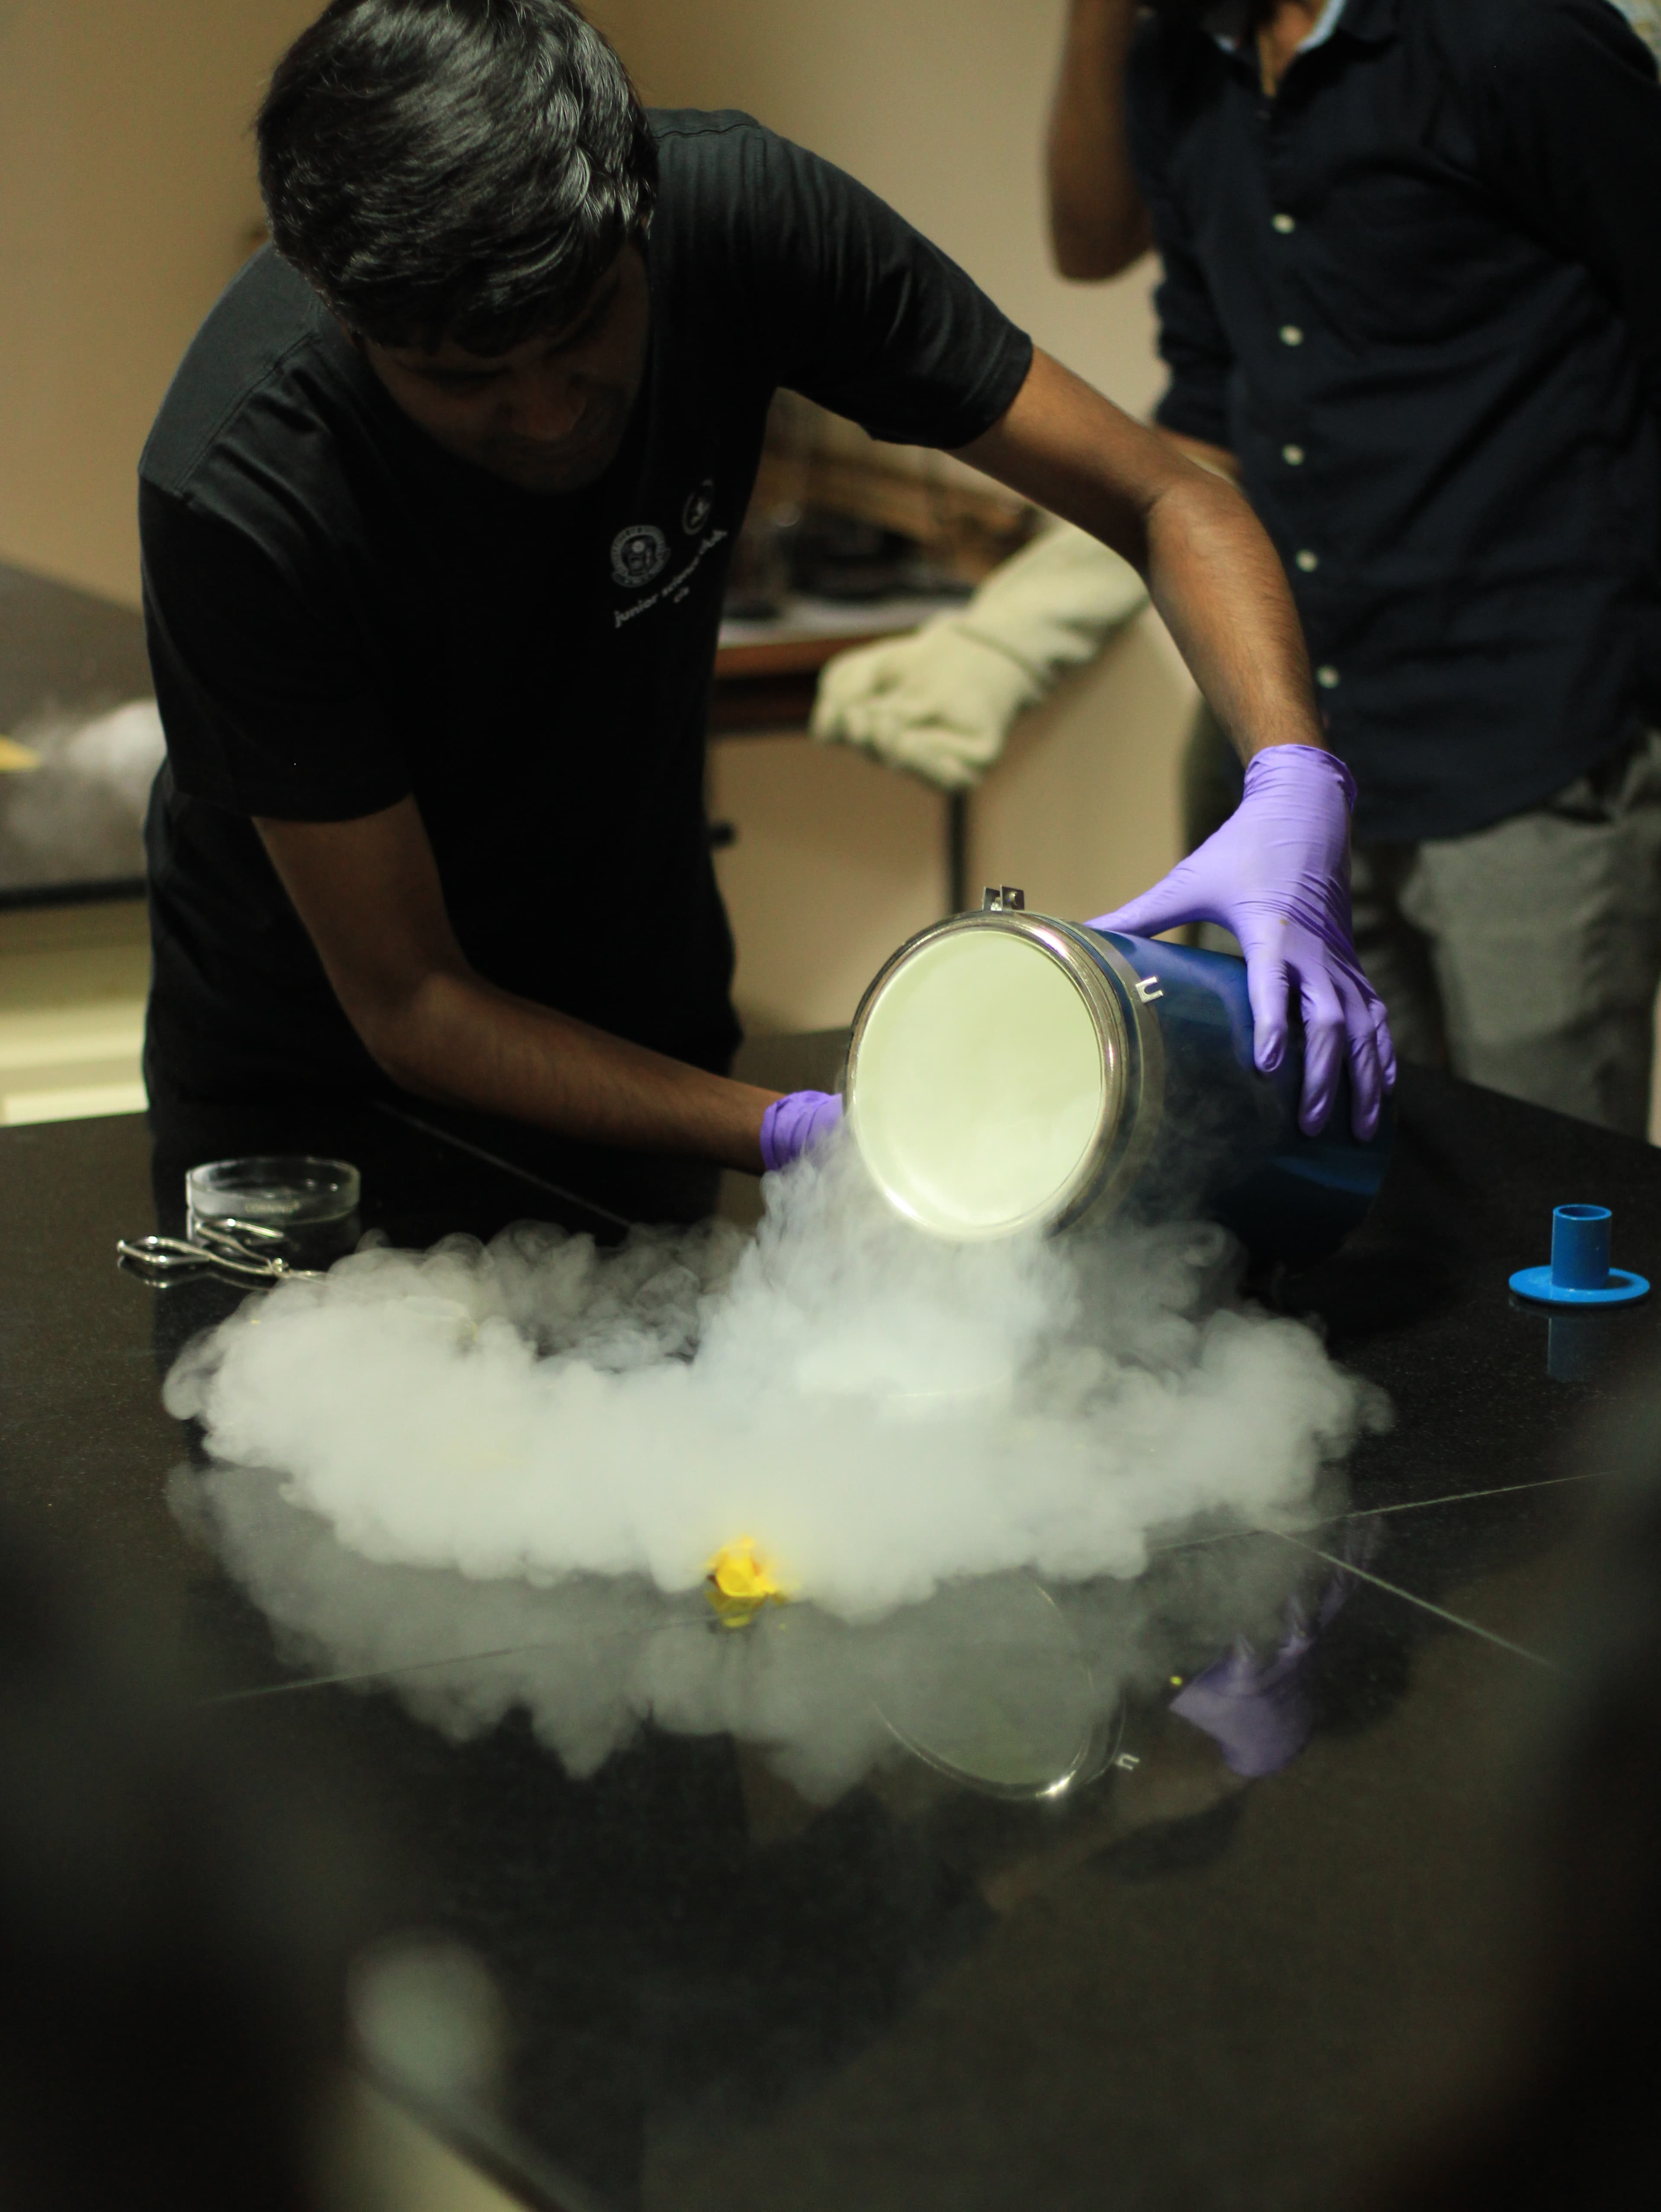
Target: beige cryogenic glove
(942, 700)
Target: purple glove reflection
(1277, 874)
(1259, 1717)
(1258, 1712)
(790, 1125)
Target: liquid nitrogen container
(1010, 1071)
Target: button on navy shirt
(1418, 294)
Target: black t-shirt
(341, 614)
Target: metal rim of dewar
(1128, 1038)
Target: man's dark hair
(462, 170)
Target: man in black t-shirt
(436, 519)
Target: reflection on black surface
(733, 1856)
(1257, 1705)
(997, 1682)
(1586, 1348)
(996, 1691)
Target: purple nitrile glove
(790, 1125)
(1277, 874)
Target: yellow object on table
(739, 1584)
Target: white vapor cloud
(882, 1415)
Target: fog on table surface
(878, 1413)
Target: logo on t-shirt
(639, 554)
(698, 509)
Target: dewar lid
(985, 1076)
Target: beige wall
(127, 195)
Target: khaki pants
(1524, 957)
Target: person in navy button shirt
(1412, 304)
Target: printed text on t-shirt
(675, 588)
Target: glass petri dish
(311, 1205)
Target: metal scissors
(228, 1247)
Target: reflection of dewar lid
(1010, 1071)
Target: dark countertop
(1170, 1989)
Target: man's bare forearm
(1218, 583)
(1097, 222)
(459, 1039)
(1212, 571)
(1221, 463)
(368, 891)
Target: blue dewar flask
(1009, 1070)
